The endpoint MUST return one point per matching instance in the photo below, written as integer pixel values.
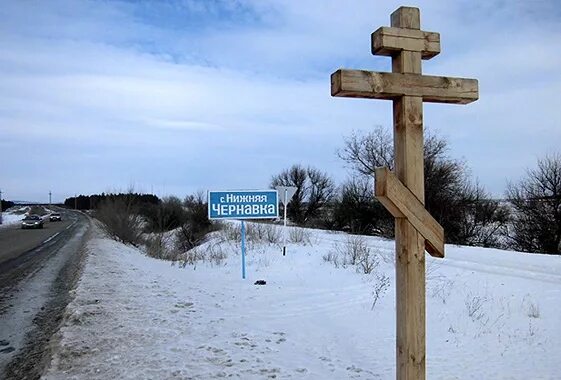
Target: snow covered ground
(492, 314)
(13, 216)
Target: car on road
(55, 217)
(32, 221)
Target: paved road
(14, 241)
(38, 268)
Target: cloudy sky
(176, 96)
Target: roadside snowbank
(9, 219)
(491, 314)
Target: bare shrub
(440, 288)
(332, 257)
(368, 262)
(263, 233)
(356, 252)
(196, 223)
(531, 334)
(192, 257)
(232, 232)
(536, 201)
(474, 305)
(260, 258)
(357, 211)
(216, 255)
(256, 233)
(381, 285)
(120, 219)
(462, 207)
(356, 249)
(166, 215)
(273, 234)
(532, 308)
(158, 246)
(253, 232)
(188, 237)
(315, 189)
(299, 236)
(213, 254)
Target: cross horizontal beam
(402, 203)
(391, 41)
(389, 86)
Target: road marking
(51, 238)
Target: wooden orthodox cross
(403, 193)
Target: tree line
(529, 220)
(128, 217)
(6, 204)
(92, 202)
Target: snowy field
(491, 314)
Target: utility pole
(0, 206)
(50, 197)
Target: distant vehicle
(32, 221)
(55, 217)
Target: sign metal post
(241, 205)
(243, 250)
(285, 194)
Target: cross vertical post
(403, 193)
(410, 245)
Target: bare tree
(365, 152)
(536, 201)
(196, 224)
(314, 189)
(449, 194)
(120, 218)
(483, 220)
(357, 211)
(164, 216)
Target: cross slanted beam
(402, 203)
(403, 194)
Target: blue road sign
(247, 204)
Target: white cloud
(110, 87)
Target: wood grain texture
(409, 243)
(402, 203)
(391, 41)
(410, 302)
(390, 86)
(406, 17)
